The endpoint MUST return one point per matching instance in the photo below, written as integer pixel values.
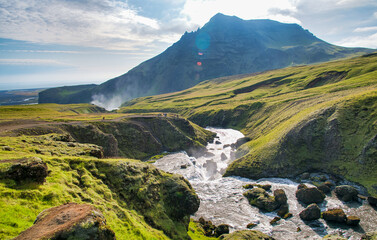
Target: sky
(48, 43)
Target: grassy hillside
(316, 117)
(138, 200)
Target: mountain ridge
(226, 45)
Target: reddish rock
(69, 221)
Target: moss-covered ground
(317, 117)
(137, 200)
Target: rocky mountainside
(224, 46)
(308, 118)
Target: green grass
(289, 115)
(132, 195)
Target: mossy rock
(312, 212)
(346, 193)
(246, 235)
(333, 237)
(335, 215)
(353, 220)
(369, 236)
(260, 198)
(310, 195)
(28, 169)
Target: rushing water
(221, 199)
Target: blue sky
(46, 43)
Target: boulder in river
(280, 196)
(346, 193)
(221, 229)
(372, 201)
(260, 198)
(309, 195)
(335, 215)
(353, 220)
(283, 210)
(223, 157)
(312, 212)
(324, 188)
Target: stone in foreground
(69, 221)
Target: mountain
(226, 45)
(320, 118)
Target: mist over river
(221, 199)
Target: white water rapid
(221, 199)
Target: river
(221, 199)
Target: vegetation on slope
(131, 136)
(317, 117)
(138, 200)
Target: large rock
(346, 193)
(372, 201)
(312, 212)
(280, 196)
(31, 169)
(221, 229)
(260, 198)
(69, 221)
(353, 220)
(324, 188)
(246, 235)
(309, 195)
(335, 215)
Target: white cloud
(31, 62)
(360, 41)
(365, 29)
(110, 24)
(200, 11)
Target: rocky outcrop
(309, 195)
(346, 193)
(69, 221)
(29, 169)
(142, 137)
(166, 201)
(246, 235)
(312, 212)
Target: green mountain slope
(317, 117)
(224, 46)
